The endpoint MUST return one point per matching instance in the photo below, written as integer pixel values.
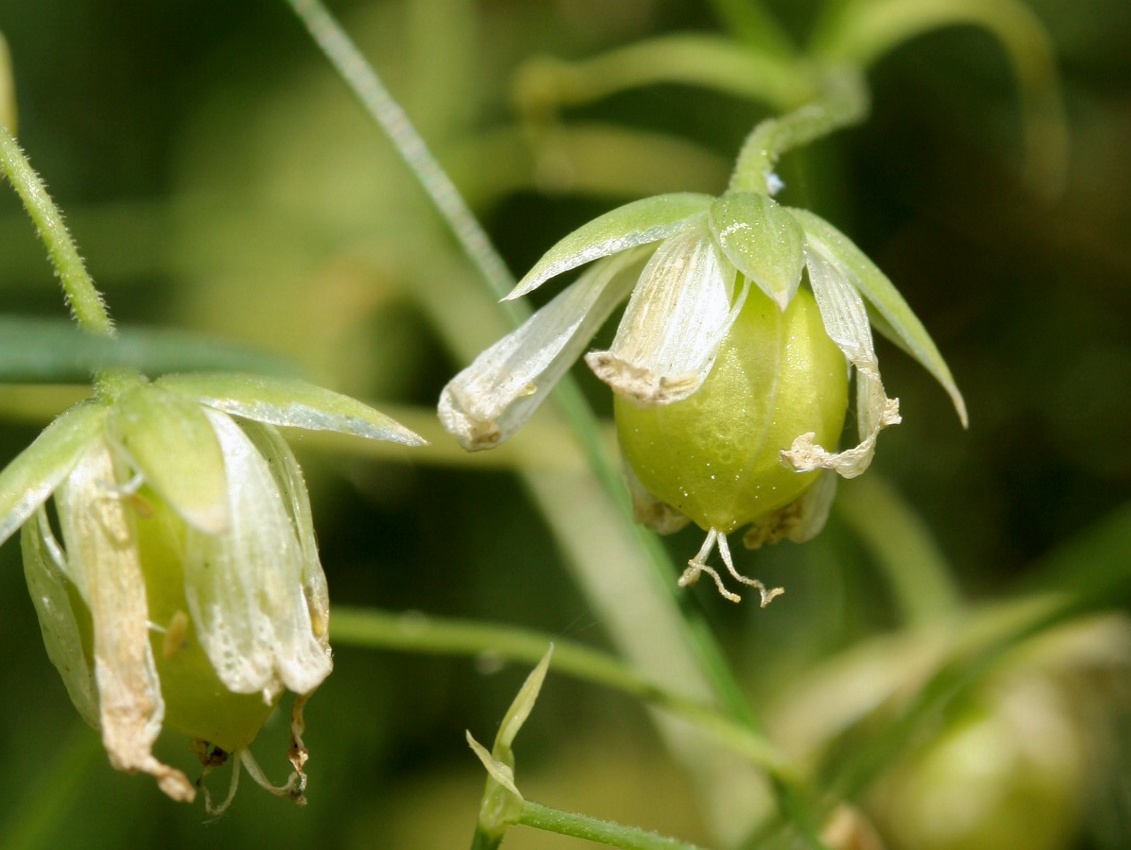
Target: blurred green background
(219, 179)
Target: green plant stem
(363, 81)
(844, 102)
(81, 295)
(420, 633)
(714, 62)
(484, 841)
(610, 834)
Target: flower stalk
(83, 298)
(843, 102)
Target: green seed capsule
(715, 456)
(197, 703)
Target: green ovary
(197, 703)
(715, 456)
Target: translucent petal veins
(762, 240)
(490, 399)
(288, 402)
(168, 439)
(245, 588)
(288, 476)
(899, 320)
(638, 223)
(28, 481)
(680, 310)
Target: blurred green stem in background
(844, 101)
(363, 81)
(52, 792)
(591, 829)
(920, 579)
(749, 21)
(415, 632)
(82, 297)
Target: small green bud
(716, 456)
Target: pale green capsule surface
(715, 456)
(197, 703)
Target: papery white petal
(679, 313)
(244, 588)
(46, 572)
(296, 499)
(846, 322)
(637, 223)
(488, 401)
(897, 321)
(101, 547)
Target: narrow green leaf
(762, 240)
(636, 223)
(520, 708)
(899, 320)
(169, 440)
(29, 480)
(56, 351)
(288, 402)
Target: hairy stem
(844, 102)
(591, 829)
(83, 298)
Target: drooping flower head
(722, 362)
(177, 579)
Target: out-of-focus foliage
(219, 179)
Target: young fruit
(715, 456)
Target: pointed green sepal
(289, 402)
(762, 240)
(899, 324)
(637, 223)
(28, 481)
(168, 439)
